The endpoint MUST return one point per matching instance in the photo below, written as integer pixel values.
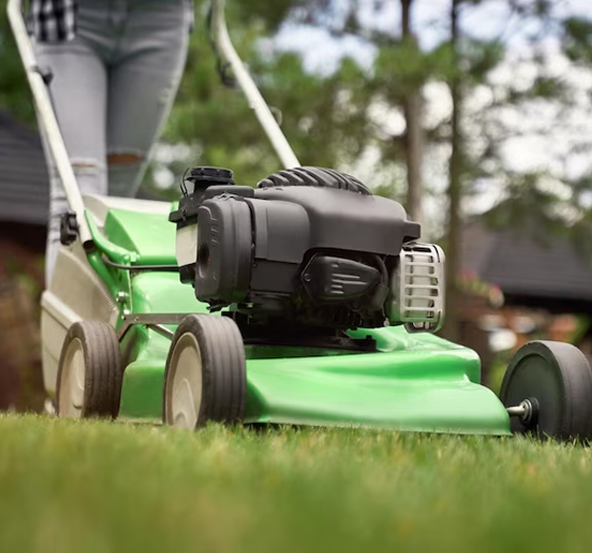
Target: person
(115, 68)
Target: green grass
(96, 487)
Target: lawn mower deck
(409, 382)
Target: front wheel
(205, 375)
(547, 389)
(89, 372)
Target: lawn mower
(302, 300)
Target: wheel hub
(72, 389)
(186, 383)
(527, 411)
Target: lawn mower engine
(308, 248)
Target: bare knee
(125, 171)
(87, 165)
(119, 159)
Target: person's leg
(78, 92)
(142, 86)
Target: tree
(454, 184)
(414, 132)
(479, 136)
(217, 123)
(394, 85)
(14, 92)
(555, 193)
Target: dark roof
(24, 183)
(531, 270)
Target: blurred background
(474, 114)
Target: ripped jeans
(112, 90)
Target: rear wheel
(89, 372)
(548, 390)
(205, 376)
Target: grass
(98, 487)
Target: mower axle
(526, 411)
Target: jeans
(112, 90)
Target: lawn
(99, 487)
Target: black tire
(557, 379)
(314, 176)
(102, 371)
(221, 367)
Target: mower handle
(47, 119)
(258, 104)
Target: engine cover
(224, 246)
(309, 246)
(335, 279)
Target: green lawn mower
(304, 300)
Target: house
(532, 267)
(545, 279)
(24, 197)
(24, 192)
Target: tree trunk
(414, 136)
(455, 170)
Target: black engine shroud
(308, 246)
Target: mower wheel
(89, 373)
(550, 385)
(205, 377)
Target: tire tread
(103, 375)
(223, 367)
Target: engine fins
(314, 176)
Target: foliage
(578, 39)
(14, 92)
(323, 117)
